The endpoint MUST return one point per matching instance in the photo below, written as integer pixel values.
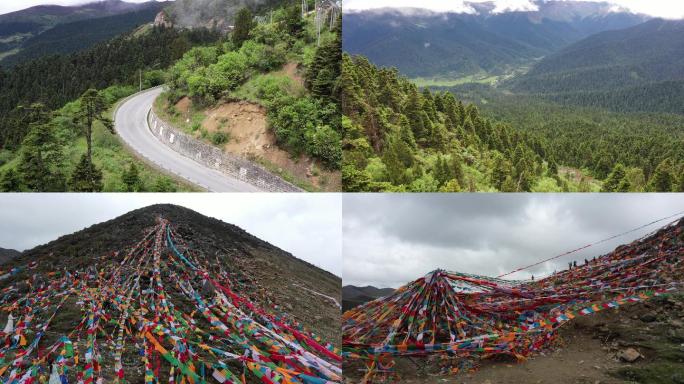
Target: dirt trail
(291, 70)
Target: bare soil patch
(249, 136)
(291, 70)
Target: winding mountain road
(130, 123)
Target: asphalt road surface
(131, 125)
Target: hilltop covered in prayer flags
(162, 309)
(465, 318)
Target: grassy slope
(109, 155)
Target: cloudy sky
(307, 225)
(389, 240)
(658, 8)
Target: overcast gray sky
(389, 240)
(659, 8)
(7, 6)
(307, 225)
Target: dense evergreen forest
(646, 146)
(79, 35)
(399, 138)
(57, 79)
(663, 97)
(55, 124)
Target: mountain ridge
(353, 296)
(18, 29)
(7, 255)
(634, 69)
(424, 43)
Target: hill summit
(164, 293)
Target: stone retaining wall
(229, 164)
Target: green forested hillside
(79, 35)
(400, 138)
(626, 60)
(49, 103)
(647, 145)
(663, 97)
(57, 79)
(18, 28)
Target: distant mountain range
(422, 43)
(354, 296)
(7, 255)
(47, 29)
(637, 68)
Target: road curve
(130, 123)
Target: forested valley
(592, 102)
(401, 138)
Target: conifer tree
(325, 70)
(41, 153)
(614, 180)
(393, 163)
(662, 179)
(456, 168)
(414, 115)
(294, 24)
(131, 178)
(93, 108)
(244, 21)
(86, 177)
(429, 105)
(11, 181)
(500, 172)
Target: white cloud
(514, 5)
(671, 9)
(306, 225)
(455, 6)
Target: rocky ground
(638, 343)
